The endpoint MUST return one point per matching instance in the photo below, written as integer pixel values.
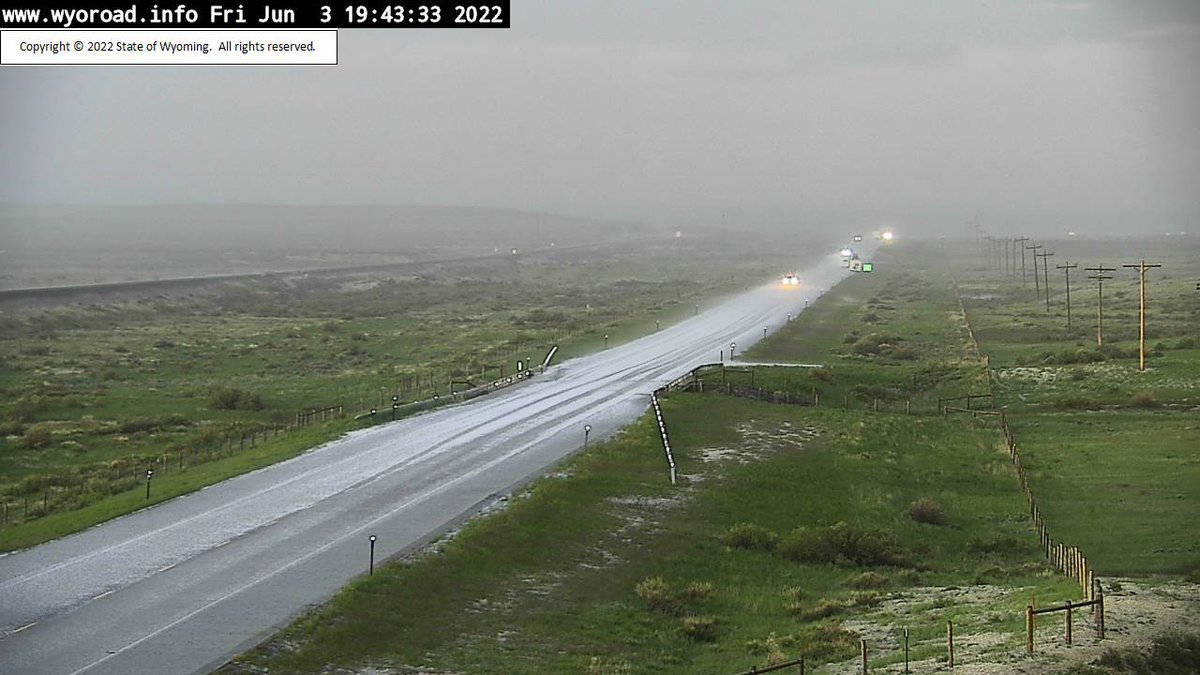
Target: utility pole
(1067, 270)
(1100, 278)
(1021, 243)
(1036, 288)
(1141, 268)
(1045, 274)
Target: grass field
(552, 584)
(94, 395)
(1111, 448)
(803, 529)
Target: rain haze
(635, 337)
(1036, 115)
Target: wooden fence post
(950, 640)
(1029, 629)
(1100, 610)
(1068, 624)
(864, 656)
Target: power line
(1045, 274)
(1067, 270)
(1021, 243)
(1037, 289)
(1141, 268)
(1100, 278)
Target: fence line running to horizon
(1069, 560)
(44, 495)
(41, 495)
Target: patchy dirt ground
(756, 441)
(1136, 612)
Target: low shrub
(828, 642)
(843, 544)
(751, 537)
(866, 599)
(875, 344)
(699, 628)
(27, 408)
(697, 591)
(927, 511)
(823, 610)
(37, 437)
(658, 596)
(232, 398)
(868, 580)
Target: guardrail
(662, 430)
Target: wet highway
(184, 586)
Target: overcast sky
(659, 110)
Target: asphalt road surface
(184, 586)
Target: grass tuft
(928, 511)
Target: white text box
(169, 47)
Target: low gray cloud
(666, 110)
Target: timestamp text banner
(251, 15)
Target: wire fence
(39, 496)
(695, 381)
(1069, 560)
